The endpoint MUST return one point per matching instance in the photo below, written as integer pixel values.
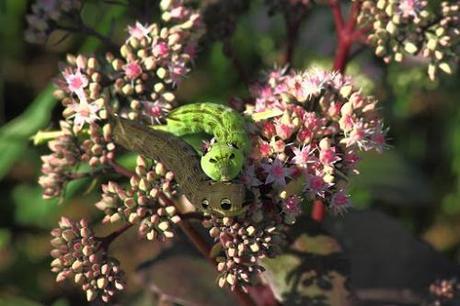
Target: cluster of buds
(310, 127)
(77, 255)
(145, 202)
(443, 291)
(57, 167)
(154, 60)
(99, 148)
(408, 27)
(244, 243)
(44, 16)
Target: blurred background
(404, 232)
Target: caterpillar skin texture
(218, 198)
(226, 157)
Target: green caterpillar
(225, 158)
(219, 198)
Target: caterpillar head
(222, 162)
(221, 199)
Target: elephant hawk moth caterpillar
(225, 158)
(223, 199)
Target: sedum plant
(306, 127)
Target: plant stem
(107, 240)
(345, 32)
(120, 169)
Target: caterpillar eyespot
(205, 204)
(226, 204)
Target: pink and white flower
(249, 177)
(340, 203)
(303, 156)
(277, 172)
(84, 112)
(76, 83)
(132, 70)
(139, 31)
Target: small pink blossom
(409, 8)
(268, 129)
(177, 71)
(160, 49)
(302, 156)
(316, 184)
(132, 70)
(264, 148)
(179, 12)
(277, 173)
(378, 140)
(84, 113)
(138, 31)
(291, 206)
(249, 177)
(278, 145)
(328, 156)
(155, 110)
(340, 202)
(284, 130)
(304, 136)
(76, 83)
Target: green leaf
(14, 135)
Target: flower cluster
(408, 27)
(80, 91)
(244, 243)
(310, 127)
(44, 15)
(77, 256)
(58, 166)
(442, 292)
(154, 60)
(142, 202)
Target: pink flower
(409, 8)
(177, 71)
(160, 49)
(249, 177)
(378, 140)
(179, 12)
(340, 202)
(138, 31)
(76, 83)
(291, 206)
(284, 130)
(155, 110)
(316, 184)
(327, 156)
(268, 129)
(277, 173)
(132, 70)
(304, 136)
(84, 113)
(278, 146)
(302, 156)
(264, 148)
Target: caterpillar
(223, 199)
(225, 158)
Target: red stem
(345, 32)
(120, 169)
